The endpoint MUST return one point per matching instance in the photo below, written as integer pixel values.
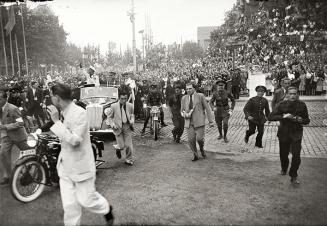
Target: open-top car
(98, 101)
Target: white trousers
(75, 195)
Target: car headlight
(31, 140)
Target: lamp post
(143, 49)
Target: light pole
(132, 18)
(143, 49)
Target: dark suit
(290, 132)
(13, 134)
(178, 121)
(254, 107)
(34, 101)
(279, 95)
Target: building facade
(203, 35)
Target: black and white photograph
(163, 112)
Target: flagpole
(3, 42)
(10, 44)
(17, 52)
(21, 7)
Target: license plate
(155, 118)
(27, 152)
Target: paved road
(314, 142)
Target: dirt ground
(165, 187)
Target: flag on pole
(11, 21)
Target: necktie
(123, 115)
(191, 102)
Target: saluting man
(76, 165)
(253, 111)
(219, 104)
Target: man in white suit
(194, 107)
(121, 119)
(76, 165)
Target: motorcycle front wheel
(155, 129)
(28, 181)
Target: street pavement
(236, 184)
(314, 143)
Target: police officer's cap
(261, 87)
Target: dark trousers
(178, 122)
(236, 92)
(285, 147)
(251, 131)
(36, 111)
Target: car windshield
(99, 95)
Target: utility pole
(132, 18)
(3, 43)
(26, 64)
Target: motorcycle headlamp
(155, 109)
(32, 140)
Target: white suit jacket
(114, 116)
(76, 158)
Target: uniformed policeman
(155, 98)
(253, 111)
(219, 104)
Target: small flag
(11, 21)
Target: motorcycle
(154, 120)
(36, 167)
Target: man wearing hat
(219, 104)
(253, 111)
(280, 94)
(91, 78)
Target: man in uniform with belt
(292, 115)
(253, 111)
(219, 104)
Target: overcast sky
(100, 21)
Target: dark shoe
(143, 131)
(203, 153)
(195, 159)
(259, 145)
(163, 124)
(178, 140)
(5, 181)
(246, 139)
(220, 137)
(174, 136)
(226, 140)
(129, 162)
(118, 153)
(283, 173)
(295, 181)
(109, 217)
